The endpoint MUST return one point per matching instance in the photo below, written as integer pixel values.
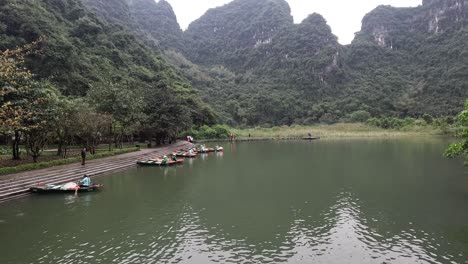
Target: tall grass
(341, 130)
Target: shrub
(5, 150)
(222, 131)
(206, 132)
(359, 116)
(374, 122)
(428, 118)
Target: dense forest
(255, 66)
(405, 62)
(68, 76)
(247, 60)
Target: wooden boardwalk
(17, 185)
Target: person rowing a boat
(174, 157)
(165, 160)
(85, 182)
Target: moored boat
(186, 155)
(311, 138)
(70, 187)
(206, 150)
(219, 149)
(159, 162)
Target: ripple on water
(340, 234)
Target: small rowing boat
(159, 162)
(311, 138)
(70, 187)
(186, 155)
(206, 150)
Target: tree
(166, 113)
(461, 148)
(93, 127)
(360, 116)
(65, 124)
(40, 125)
(21, 97)
(119, 100)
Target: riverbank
(330, 131)
(16, 185)
(5, 169)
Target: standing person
(83, 156)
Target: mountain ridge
(255, 66)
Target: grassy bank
(47, 164)
(343, 130)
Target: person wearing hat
(85, 182)
(165, 160)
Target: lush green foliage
(461, 148)
(247, 60)
(274, 72)
(114, 83)
(207, 132)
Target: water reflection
(329, 203)
(189, 161)
(233, 147)
(342, 235)
(347, 237)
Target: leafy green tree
(428, 118)
(123, 103)
(93, 127)
(461, 148)
(45, 110)
(25, 104)
(166, 114)
(65, 124)
(360, 116)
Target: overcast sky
(344, 16)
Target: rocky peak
(381, 22)
(445, 14)
(388, 25)
(317, 25)
(113, 11)
(241, 24)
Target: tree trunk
(60, 148)
(110, 136)
(16, 143)
(35, 158)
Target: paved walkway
(17, 185)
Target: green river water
(328, 201)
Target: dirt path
(16, 185)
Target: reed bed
(342, 130)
